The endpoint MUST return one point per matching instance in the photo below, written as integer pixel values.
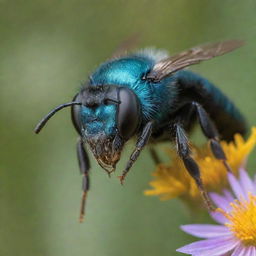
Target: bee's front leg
(141, 142)
(84, 166)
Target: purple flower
(236, 233)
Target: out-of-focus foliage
(47, 48)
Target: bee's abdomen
(221, 109)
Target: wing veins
(191, 56)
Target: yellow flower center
(242, 219)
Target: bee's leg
(154, 155)
(211, 133)
(141, 142)
(84, 166)
(190, 164)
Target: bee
(148, 95)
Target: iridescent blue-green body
(149, 96)
(161, 101)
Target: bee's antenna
(42, 123)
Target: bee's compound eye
(75, 114)
(128, 115)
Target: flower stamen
(242, 219)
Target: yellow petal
(172, 180)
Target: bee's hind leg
(211, 133)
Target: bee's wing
(192, 56)
(126, 45)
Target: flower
(236, 234)
(172, 179)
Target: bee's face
(99, 129)
(107, 118)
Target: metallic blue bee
(147, 95)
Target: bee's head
(107, 117)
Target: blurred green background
(47, 48)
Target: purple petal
(220, 250)
(215, 252)
(253, 251)
(246, 183)
(240, 251)
(228, 195)
(226, 254)
(220, 201)
(214, 246)
(250, 251)
(236, 187)
(205, 230)
(218, 217)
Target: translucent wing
(192, 56)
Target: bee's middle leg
(154, 155)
